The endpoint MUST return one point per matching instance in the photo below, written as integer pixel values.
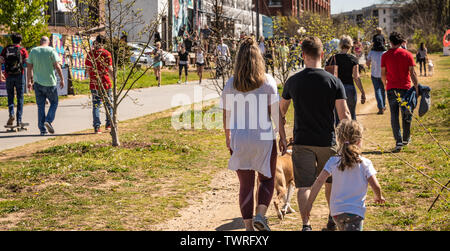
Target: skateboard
(17, 128)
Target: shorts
(200, 64)
(157, 64)
(308, 162)
(349, 222)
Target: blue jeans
(395, 113)
(43, 93)
(96, 105)
(352, 99)
(380, 93)
(15, 82)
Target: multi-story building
(387, 15)
(293, 7)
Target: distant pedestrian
(14, 57)
(348, 72)
(422, 55)
(379, 42)
(262, 46)
(99, 69)
(183, 63)
(283, 55)
(157, 62)
(42, 64)
(397, 71)
(351, 174)
(374, 61)
(250, 136)
(200, 62)
(269, 57)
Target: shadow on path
(39, 136)
(235, 224)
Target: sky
(338, 6)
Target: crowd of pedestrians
(328, 139)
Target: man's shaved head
(44, 40)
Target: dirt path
(218, 209)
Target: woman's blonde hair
(346, 42)
(349, 133)
(250, 69)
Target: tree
(425, 21)
(120, 17)
(25, 17)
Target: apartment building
(293, 7)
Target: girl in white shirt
(200, 62)
(351, 175)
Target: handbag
(332, 67)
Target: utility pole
(257, 20)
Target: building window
(384, 11)
(384, 20)
(275, 3)
(395, 11)
(375, 13)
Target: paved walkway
(75, 114)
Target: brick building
(293, 7)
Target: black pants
(180, 69)
(396, 111)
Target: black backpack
(13, 60)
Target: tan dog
(284, 184)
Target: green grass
(90, 185)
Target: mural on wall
(180, 20)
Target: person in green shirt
(283, 53)
(42, 63)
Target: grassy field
(88, 185)
(168, 77)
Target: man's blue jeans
(395, 113)
(42, 94)
(15, 82)
(380, 93)
(96, 106)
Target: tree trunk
(115, 130)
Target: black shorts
(200, 64)
(180, 69)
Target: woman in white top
(351, 174)
(262, 46)
(199, 61)
(250, 103)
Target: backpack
(13, 60)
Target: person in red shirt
(14, 57)
(99, 68)
(397, 71)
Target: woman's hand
(363, 98)
(380, 200)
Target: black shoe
(306, 228)
(398, 148)
(405, 143)
(10, 121)
(331, 225)
(49, 127)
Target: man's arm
(342, 109)
(58, 69)
(383, 76)
(415, 80)
(30, 75)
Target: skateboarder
(13, 57)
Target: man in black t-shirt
(316, 93)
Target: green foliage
(25, 17)
(432, 41)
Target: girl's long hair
(422, 46)
(250, 69)
(349, 134)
